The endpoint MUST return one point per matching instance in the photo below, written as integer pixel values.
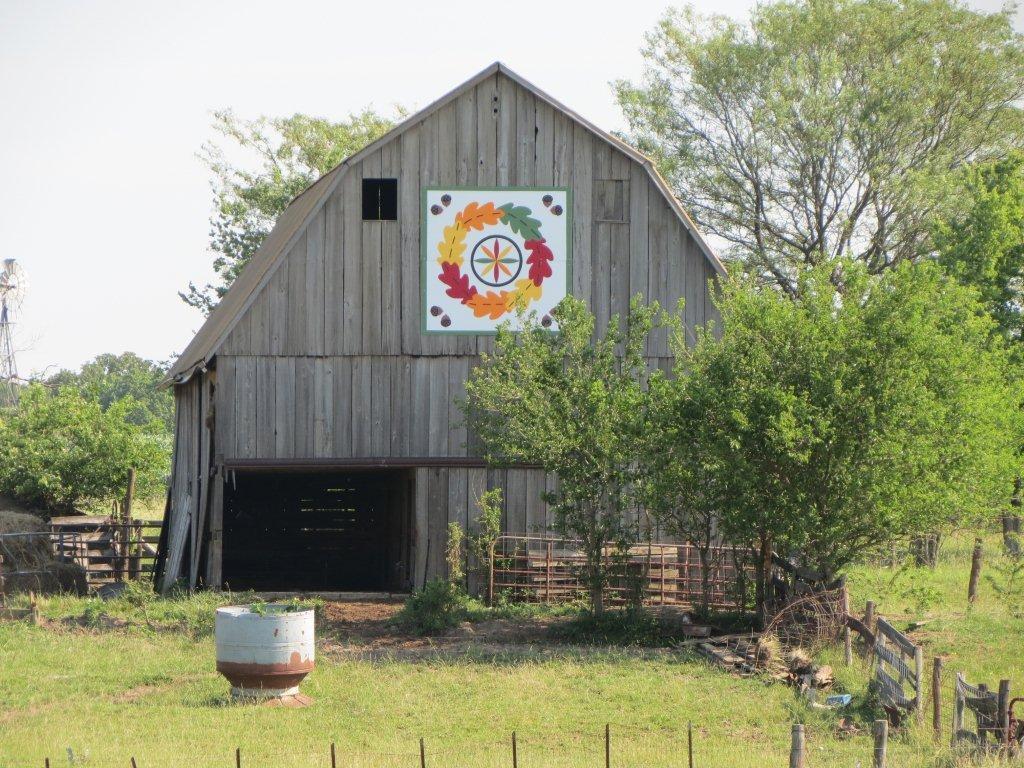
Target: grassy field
(106, 691)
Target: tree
(62, 451)
(292, 153)
(111, 378)
(682, 471)
(826, 128)
(982, 244)
(828, 427)
(574, 406)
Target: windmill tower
(13, 284)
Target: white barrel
(264, 654)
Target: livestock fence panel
(544, 569)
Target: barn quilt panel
(490, 255)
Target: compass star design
(497, 260)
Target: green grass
(147, 688)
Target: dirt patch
(363, 629)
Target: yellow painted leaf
(453, 245)
(525, 292)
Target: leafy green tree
(828, 427)
(64, 451)
(982, 243)
(291, 153)
(683, 466)
(111, 378)
(574, 406)
(823, 129)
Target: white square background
(555, 229)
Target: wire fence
(616, 746)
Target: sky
(104, 106)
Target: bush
(63, 451)
(440, 605)
(632, 626)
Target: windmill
(13, 285)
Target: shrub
(63, 451)
(438, 606)
(453, 554)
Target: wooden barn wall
(449, 494)
(352, 287)
(185, 480)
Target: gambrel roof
(300, 212)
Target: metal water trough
(265, 652)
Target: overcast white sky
(103, 106)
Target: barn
(318, 443)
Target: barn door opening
(318, 531)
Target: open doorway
(318, 531)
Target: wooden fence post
(547, 575)
(607, 746)
(881, 733)
(1003, 716)
(334, 762)
(238, 757)
(983, 726)
(958, 709)
(515, 752)
(972, 585)
(847, 638)
(937, 697)
(869, 615)
(796, 749)
(133, 763)
(689, 744)
(919, 682)
(423, 754)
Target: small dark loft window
(380, 199)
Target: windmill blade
(13, 283)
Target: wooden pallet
(734, 653)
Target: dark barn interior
(318, 531)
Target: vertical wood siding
(329, 361)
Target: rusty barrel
(266, 652)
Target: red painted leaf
(540, 261)
(458, 283)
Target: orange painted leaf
(491, 304)
(476, 216)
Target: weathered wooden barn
(318, 444)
